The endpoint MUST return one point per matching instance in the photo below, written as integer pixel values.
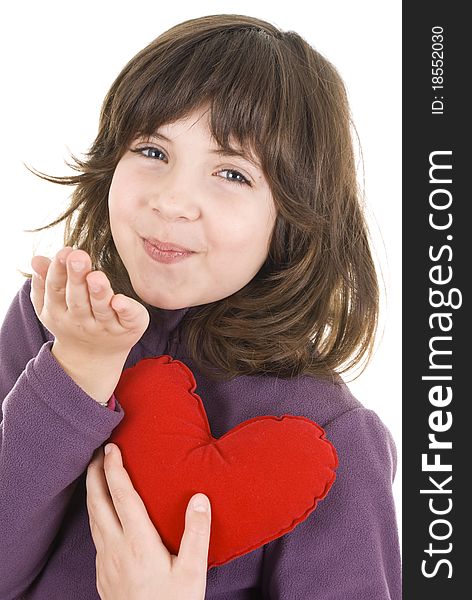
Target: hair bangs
(229, 84)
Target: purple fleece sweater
(347, 549)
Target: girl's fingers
(193, 552)
(40, 266)
(104, 522)
(66, 284)
(101, 293)
(55, 284)
(97, 536)
(77, 294)
(129, 507)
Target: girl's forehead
(172, 127)
(196, 119)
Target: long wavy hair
(313, 306)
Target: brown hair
(313, 306)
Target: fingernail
(108, 449)
(200, 504)
(76, 265)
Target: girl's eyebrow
(227, 151)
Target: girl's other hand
(132, 561)
(79, 307)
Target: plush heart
(262, 478)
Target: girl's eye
(235, 176)
(232, 175)
(148, 152)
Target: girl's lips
(165, 252)
(167, 246)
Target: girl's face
(191, 225)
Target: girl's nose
(175, 199)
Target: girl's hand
(132, 562)
(79, 307)
(94, 328)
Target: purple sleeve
(49, 430)
(347, 549)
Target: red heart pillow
(262, 478)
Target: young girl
(216, 219)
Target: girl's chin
(166, 302)
(176, 301)
(163, 304)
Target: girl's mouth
(165, 252)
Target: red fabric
(262, 478)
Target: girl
(216, 218)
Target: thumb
(193, 552)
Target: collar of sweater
(162, 329)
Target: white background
(58, 60)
